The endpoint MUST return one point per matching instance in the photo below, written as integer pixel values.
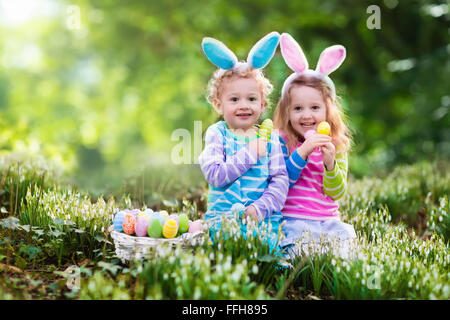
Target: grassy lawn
(47, 228)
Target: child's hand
(259, 146)
(251, 212)
(312, 143)
(328, 155)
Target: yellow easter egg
(170, 228)
(265, 129)
(324, 128)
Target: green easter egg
(155, 228)
(183, 223)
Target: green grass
(401, 219)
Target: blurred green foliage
(98, 86)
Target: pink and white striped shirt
(306, 198)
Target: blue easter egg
(161, 217)
(154, 215)
(148, 211)
(118, 221)
(238, 208)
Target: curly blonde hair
(240, 70)
(340, 133)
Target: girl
(316, 163)
(241, 168)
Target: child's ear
(264, 108)
(263, 105)
(217, 106)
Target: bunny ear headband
(258, 57)
(330, 59)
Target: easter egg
(141, 226)
(161, 217)
(142, 214)
(170, 228)
(129, 222)
(196, 225)
(164, 213)
(183, 223)
(324, 128)
(154, 228)
(309, 134)
(265, 129)
(154, 214)
(174, 217)
(133, 212)
(148, 211)
(238, 209)
(118, 221)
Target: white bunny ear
(293, 54)
(218, 53)
(330, 59)
(263, 51)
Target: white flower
(255, 269)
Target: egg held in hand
(238, 209)
(265, 130)
(324, 128)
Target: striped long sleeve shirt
(236, 175)
(313, 190)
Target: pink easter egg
(141, 226)
(196, 225)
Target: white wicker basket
(132, 247)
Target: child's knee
(340, 229)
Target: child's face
(240, 102)
(307, 109)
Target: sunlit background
(98, 87)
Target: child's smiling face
(307, 109)
(240, 102)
